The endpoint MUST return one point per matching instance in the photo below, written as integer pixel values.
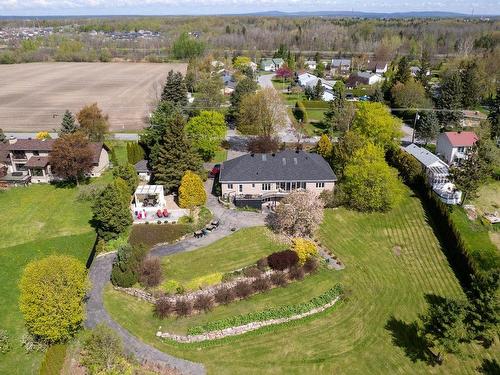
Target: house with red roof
(453, 147)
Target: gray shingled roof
(283, 166)
(141, 166)
(424, 156)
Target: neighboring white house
(310, 64)
(141, 167)
(437, 173)
(379, 67)
(415, 70)
(341, 66)
(363, 78)
(310, 80)
(28, 160)
(271, 65)
(256, 179)
(453, 147)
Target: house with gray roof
(271, 65)
(256, 179)
(341, 66)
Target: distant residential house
(437, 173)
(379, 67)
(453, 147)
(271, 65)
(29, 160)
(310, 80)
(362, 78)
(257, 179)
(141, 167)
(310, 64)
(415, 70)
(341, 66)
(229, 83)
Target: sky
(192, 7)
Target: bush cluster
(282, 260)
(5, 346)
(150, 272)
(125, 272)
(276, 313)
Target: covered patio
(151, 205)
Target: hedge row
(465, 260)
(316, 104)
(276, 313)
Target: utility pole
(414, 127)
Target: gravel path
(100, 272)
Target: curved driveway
(100, 273)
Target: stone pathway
(100, 273)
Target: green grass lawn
(488, 199)
(36, 221)
(391, 259)
(220, 156)
(120, 148)
(228, 254)
(280, 84)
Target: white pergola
(149, 192)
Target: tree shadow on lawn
(406, 336)
(489, 367)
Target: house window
(320, 184)
(37, 172)
(36, 153)
(240, 188)
(20, 167)
(266, 187)
(229, 186)
(461, 149)
(253, 185)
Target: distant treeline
(259, 36)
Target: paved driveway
(100, 273)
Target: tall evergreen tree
(494, 116)
(175, 89)
(2, 136)
(340, 113)
(174, 155)
(427, 127)
(157, 127)
(111, 213)
(403, 73)
(244, 87)
(450, 99)
(68, 124)
(471, 84)
(425, 66)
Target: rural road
(118, 136)
(100, 273)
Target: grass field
(36, 221)
(391, 259)
(43, 91)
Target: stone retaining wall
(239, 330)
(209, 290)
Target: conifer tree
(2, 136)
(451, 99)
(175, 89)
(174, 155)
(493, 116)
(191, 192)
(111, 213)
(68, 124)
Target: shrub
(52, 292)
(282, 260)
(183, 307)
(279, 278)
(204, 302)
(225, 295)
(304, 249)
(126, 266)
(150, 235)
(53, 360)
(262, 264)
(5, 346)
(102, 350)
(275, 313)
(150, 272)
(252, 272)
(164, 307)
(311, 265)
(30, 344)
(191, 191)
(296, 273)
(261, 284)
(243, 289)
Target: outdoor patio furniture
(159, 213)
(198, 234)
(165, 213)
(215, 223)
(204, 231)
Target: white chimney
(12, 140)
